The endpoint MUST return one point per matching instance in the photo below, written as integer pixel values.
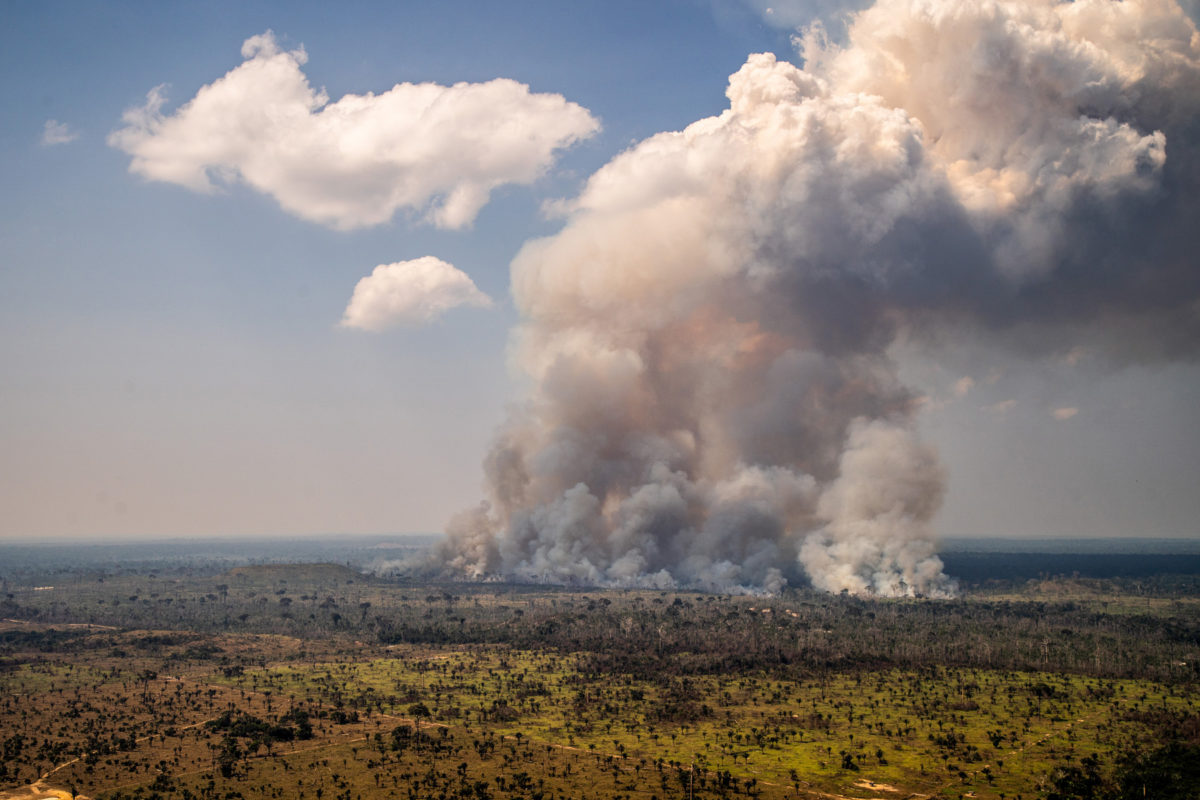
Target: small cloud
(1065, 413)
(927, 402)
(55, 132)
(1001, 408)
(558, 208)
(1073, 356)
(963, 385)
(410, 293)
(798, 14)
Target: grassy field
(346, 688)
(489, 715)
(941, 732)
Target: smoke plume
(715, 402)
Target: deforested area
(325, 680)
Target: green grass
(922, 731)
(668, 694)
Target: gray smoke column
(709, 337)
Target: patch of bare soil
(875, 787)
(39, 791)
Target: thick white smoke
(709, 336)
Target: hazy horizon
(682, 291)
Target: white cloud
(1001, 408)
(412, 292)
(1065, 413)
(1074, 356)
(963, 385)
(55, 132)
(353, 163)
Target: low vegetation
(316, 681)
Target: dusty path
(91, 626)
(50, 793)
(37, 791)
(1059, 731)
(66, 764)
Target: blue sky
(171, 362)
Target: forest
(321, 680)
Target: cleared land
(316, 682)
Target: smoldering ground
(711, 335)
